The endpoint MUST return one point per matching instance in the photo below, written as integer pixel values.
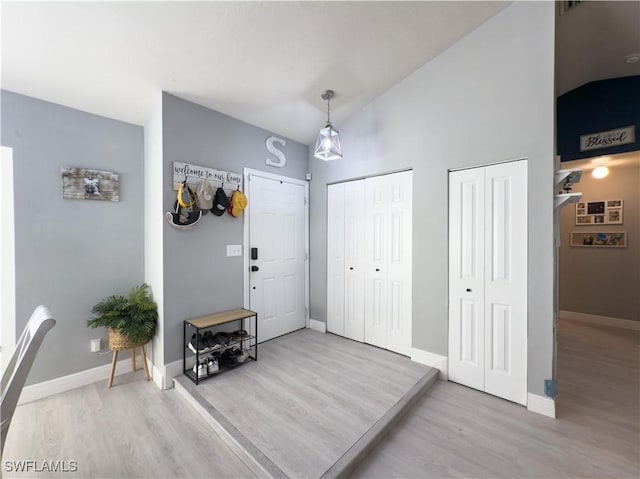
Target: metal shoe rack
(197, 325)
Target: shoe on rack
(220, 340)
(197, 340)
(228, 360)
(244, 355)
(200, 369)
(207, 338)
(235, 353)
(212, 365)
(239, 335)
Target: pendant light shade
(328, 144)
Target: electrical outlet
(234, 250)
(95, 345)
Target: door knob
(351, 268)
(377, 269)
(468, 290)
(255, 268)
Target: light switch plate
(234, 250)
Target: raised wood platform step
(262, 466)
(313, 405)
(248, 453)
(344, 466)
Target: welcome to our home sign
(607, 139)
(195, 174)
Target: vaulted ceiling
(267, 62)
(262, 62)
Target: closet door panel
(376, 254)
(399, 261)
(466, 277)
(354, 260)
(335, 258)
(506, 281)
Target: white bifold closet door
(345, 259)
(369, 260)
(388, 206)
(335, 258)
(488, 279)
(354, 236)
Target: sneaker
(200, 369)
(218, 340)
(212, 365)
(207, 338)
(197, 340)
(244, 355)
(235, 353)
(239, 335)
(228, 360)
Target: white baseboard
(433, 360)
(76, 380)
(541, 405)
(318, 325)
(603, 320)
(171, 371)
(157, 376)
(163, 375)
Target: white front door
(277, 281)
(488, 279)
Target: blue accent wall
(594, 107)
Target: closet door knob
(377, 269)
(468, 290)
(351, 268)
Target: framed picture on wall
(604, 212)
(86, 184)
(600, 239)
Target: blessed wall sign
(607, 139)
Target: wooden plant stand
(116, 344)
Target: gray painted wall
(71, 253)
(487, 98)
(603, 281)
(199, 278)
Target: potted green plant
(131, 319)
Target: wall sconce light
(600, 172)
(328, 144)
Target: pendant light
(328, 144)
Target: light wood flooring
(132, 430)
(135, 430)
(458, 432)
(310, 396)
